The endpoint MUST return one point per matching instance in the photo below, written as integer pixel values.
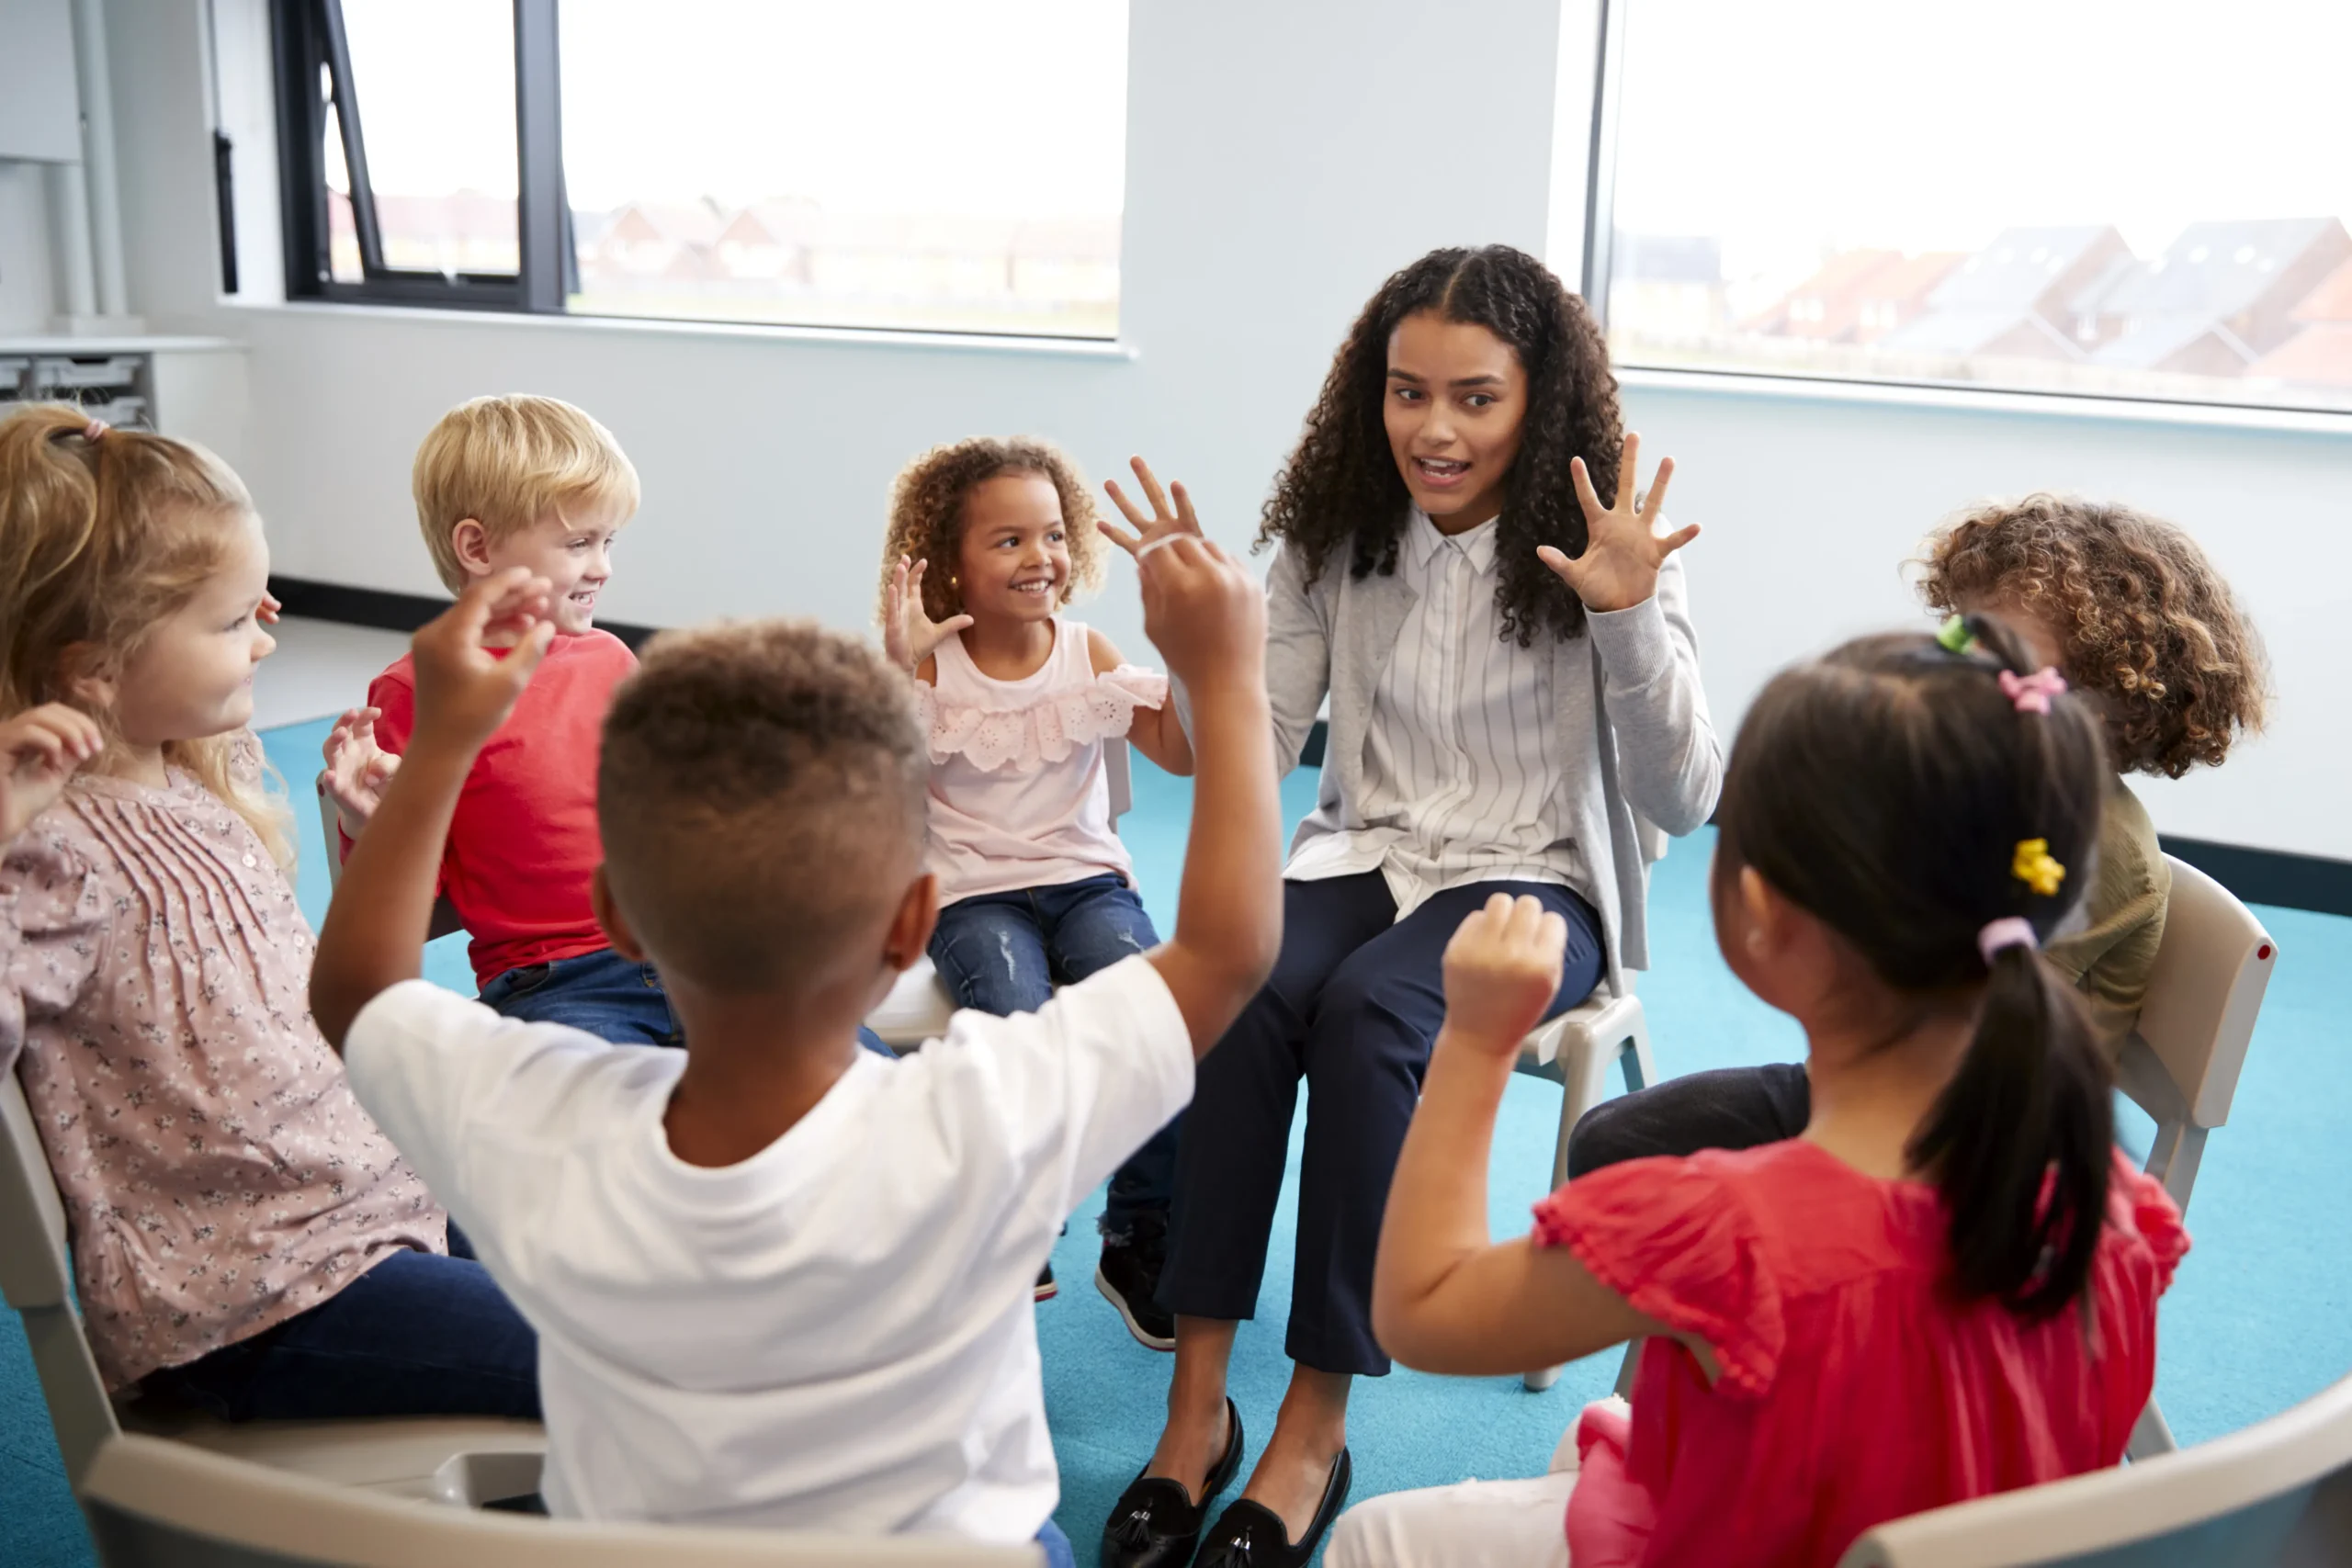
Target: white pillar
(104, 196)
(69, 228)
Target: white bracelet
(1155, 543)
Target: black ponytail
(1895, 790)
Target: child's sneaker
(1047, 1289)
(1128, 1277)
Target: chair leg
(1640, 1067)
(2149, 1435)
(1626, 1368)
(1541, 1379)
(2173, 1158)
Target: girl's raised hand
(1502, 969)
(357, 768)
(1622, 547)
(1166, 521)
(909, 634)
(39, 749)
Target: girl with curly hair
(1035, 886)
(2131, 613)
(1515, 707)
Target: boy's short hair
(507, 462)
(762, 795)
(2142, 618)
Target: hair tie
(2010, 930)
(1955, 638)
(2032, 692)
(92, 431)
(2033, 865)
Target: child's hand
(1502, 969)
(39, 749)
(463, 688)
(357, 769)
(1165, 522)
(1205, 614)
(909, 634)
(1622, 548)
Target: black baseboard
(390, 612)
(2270, 876)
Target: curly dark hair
(927, 514)
(1341, 487)
(2144, 619)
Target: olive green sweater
(2110, 957)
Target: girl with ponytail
(245, 1239)
(1946, 1287)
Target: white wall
(1281, 159)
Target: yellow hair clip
(2033, 866)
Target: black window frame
(310, 46)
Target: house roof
(2215, 270)
(2020, 266)
(1960, 333)
(2320, 355)
(2331, 301)
(1904, 280)
(2158, 338)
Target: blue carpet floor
(2261, 1316)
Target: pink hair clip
(2008, 931)
(95, 429)
(2032, 692)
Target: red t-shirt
(1854, 1388)
(524, 841)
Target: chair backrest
(2278, 1492)
(37, 1279)
(1118, 771)
(153, 1503)
(444, 918)
(2210, 973)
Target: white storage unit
(191, 388)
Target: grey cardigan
(1638, 751)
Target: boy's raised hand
(1204, 613)
(465, 686)
(1622, 548)
(39, 749)
(909, 634)
(356, 768)
(1167, 520)
(1502, 969)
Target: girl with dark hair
(1515, 709)
(1953, 1258)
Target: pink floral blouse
(218, 1176)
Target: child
(779, 1280)
(244, 1237)
(1946, 1288)
(1017, 701)
(2130, 610)
(523, 482)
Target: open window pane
(2123, 198)
(434, 81)
(944, 164)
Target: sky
(1007, 106)
(1807, 125)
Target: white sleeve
(1078, 1086)
(451, 1082)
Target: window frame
(1600, 227)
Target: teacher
(1514, 694)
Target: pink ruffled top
(1854, 1388)
(1019, 797)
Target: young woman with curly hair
(988, 542)
(1515, 707)
(2128, 610)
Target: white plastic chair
(2275, 1495)
(445, 917)
(2181, 1065)
(417, 1457)
(919, 1005)
(158, 1504)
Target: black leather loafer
(1155, 1524)
(1250, 1535)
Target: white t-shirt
(837, 1333)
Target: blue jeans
(602, 994)
(1001, 953)
(417, 1335)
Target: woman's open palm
(1622, 548)
(909, 634)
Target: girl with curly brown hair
(1514, 700)
(1019, 700)
(2131, 613)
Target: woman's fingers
(1585, 497)
(1557, 559)
(1652, 504)
(1629, 467)
(1672, 542)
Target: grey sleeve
(1668, 760)
(1299, 662)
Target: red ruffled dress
(1854, 1388)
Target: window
(949, 165)
(2103, 198)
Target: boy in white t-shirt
(777, 1279)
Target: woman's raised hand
(1622, 548)
(39, 749)
(1166, 521)
(909, 634)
